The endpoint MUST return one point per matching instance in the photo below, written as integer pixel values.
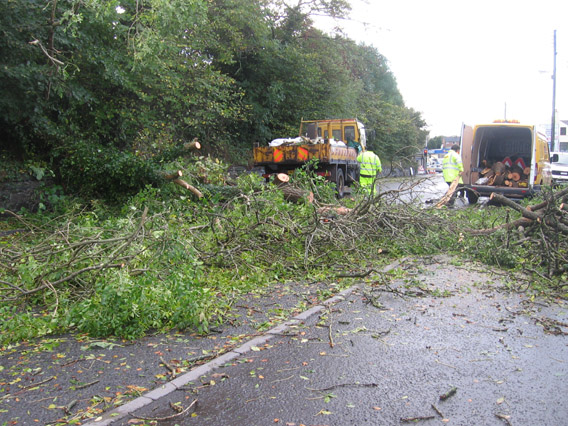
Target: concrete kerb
(157, 393)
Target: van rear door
(466, 152)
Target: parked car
(434, 167)
(559, 167)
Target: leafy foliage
(169, 260)
(138, 79)
(435, 142)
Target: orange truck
(334, 145)
(514, 146)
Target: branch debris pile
(542, 227)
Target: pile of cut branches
(61, 259)
(542, 227)
(175, 262)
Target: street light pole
(553, 129)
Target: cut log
(515, 176)
(527, 171)
(194, 144)
(342, 211)
(175, 175)
(187, 186)
(296, 195)
(281, 178)
(487, 172)
(499, 179)
(499, 168)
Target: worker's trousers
(368, 185)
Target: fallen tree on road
(544, 226)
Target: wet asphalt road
(423, 188)
(388, 354)
(420, 190)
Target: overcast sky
(470, 61)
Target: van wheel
(472, 196)
(339, 179)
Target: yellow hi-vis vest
(370, 164)
(452, 166)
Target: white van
(559, 167)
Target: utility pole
(553, 129)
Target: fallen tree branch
(359, 275)
(438, 412)
(168, 366)
(504, 417)
(175, 175)
(448, 394)
(415, 419)
(99, 260)
(86, 385)
(189, 187)
(346, 385)
(173, 416)
(329, 329)
(25, 388)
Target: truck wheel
(472, 197)
(340, 183)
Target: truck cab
(350, 131)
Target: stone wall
(20, 194)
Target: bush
(94, 171)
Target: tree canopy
(435, 142)
(109, 89)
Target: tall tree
(109, 87)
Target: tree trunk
(296, 194)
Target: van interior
(494, 144)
